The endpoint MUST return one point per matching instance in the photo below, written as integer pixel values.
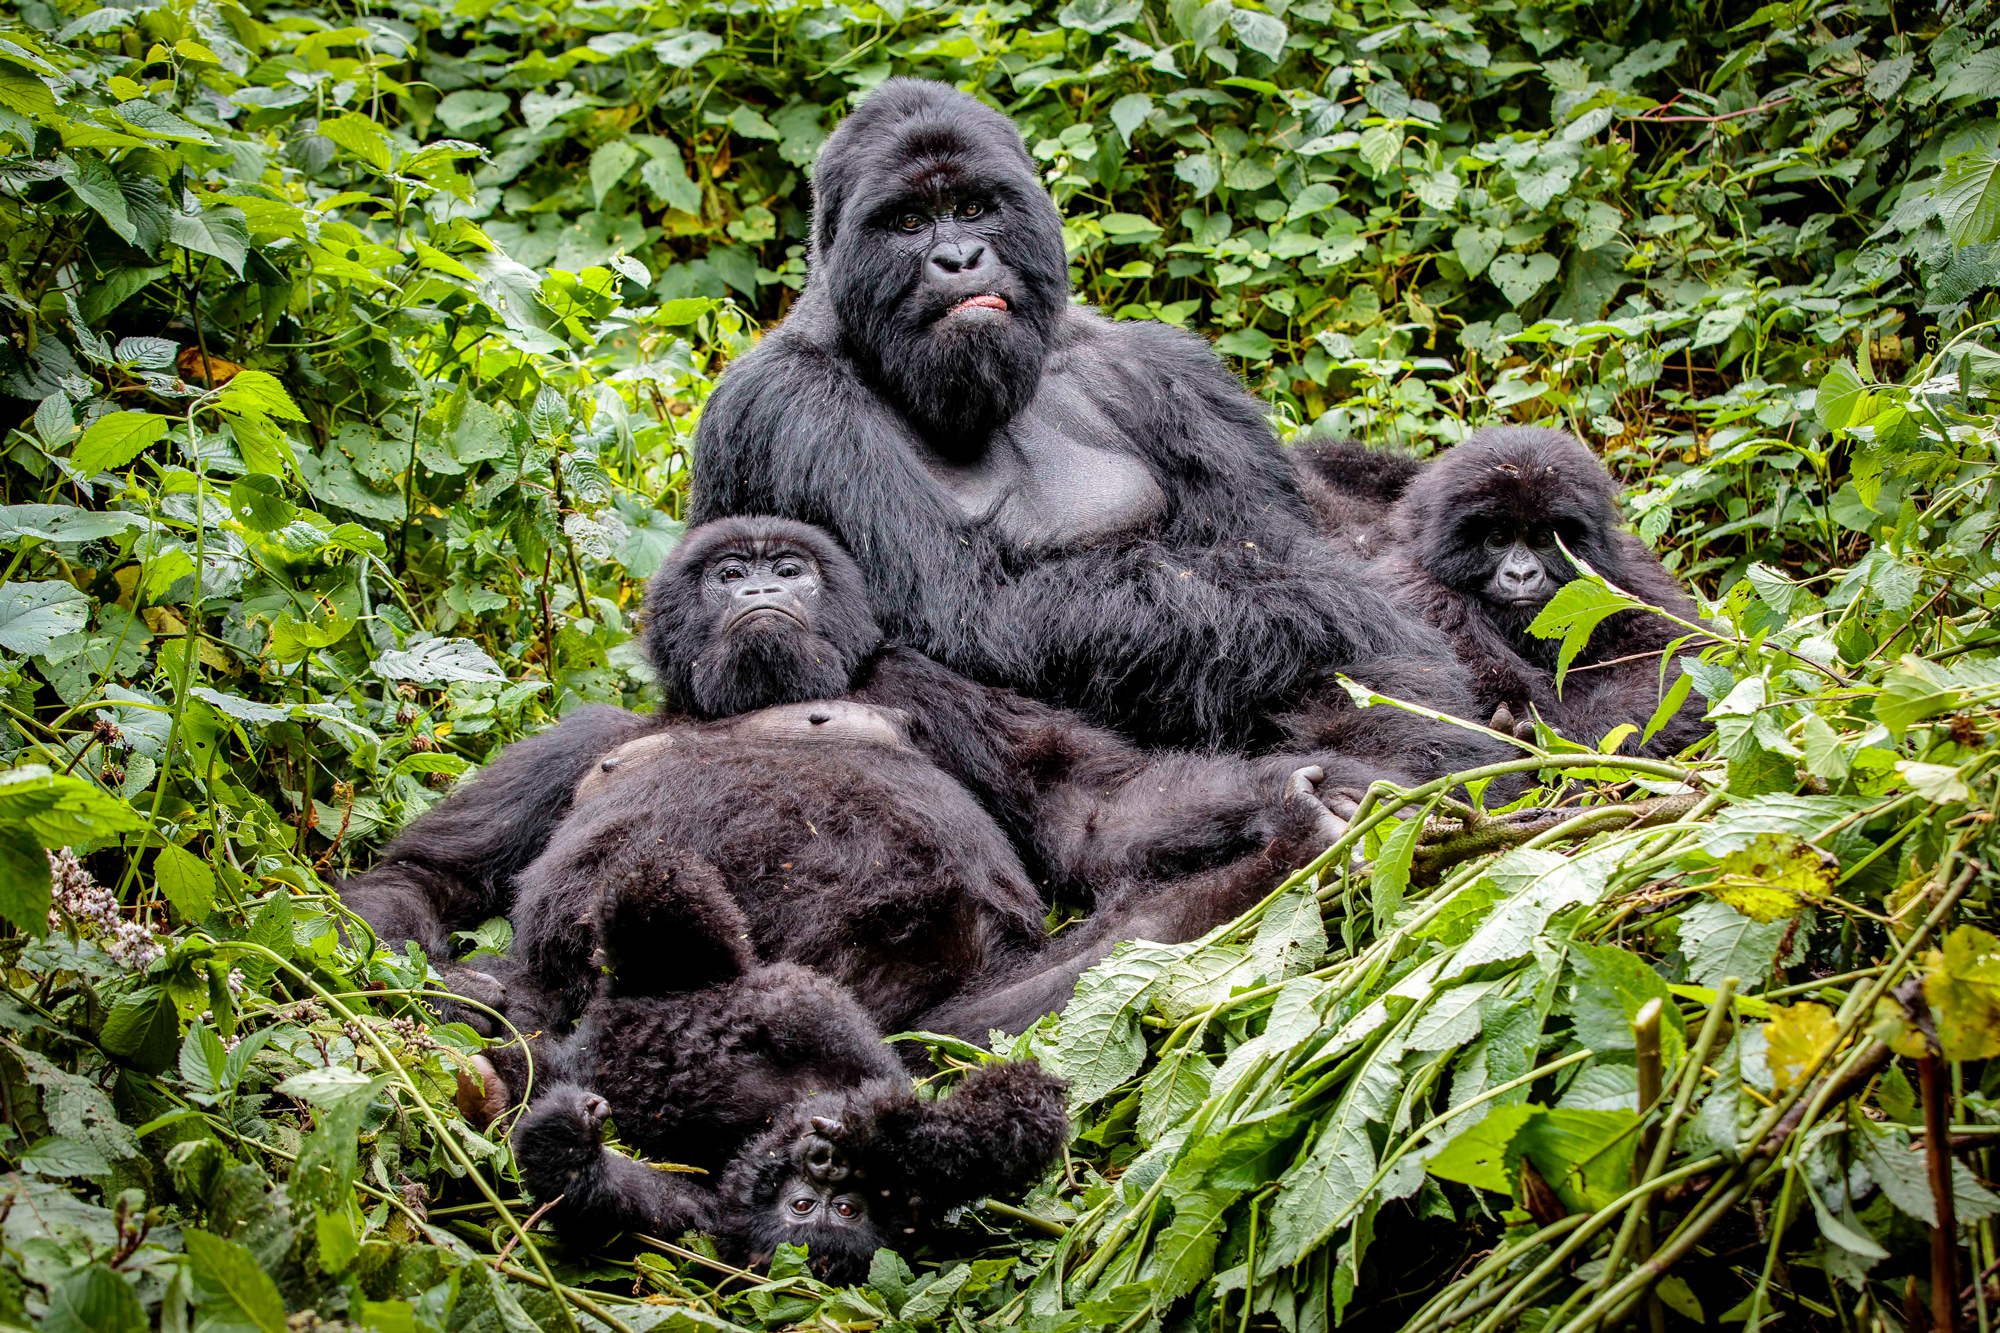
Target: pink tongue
(986, 300)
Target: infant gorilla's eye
(1497, 540)
(844, 1208)
(1543, 537)
(802, 1206)
(971, 210)
(912, 222)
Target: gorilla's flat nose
(955, 258)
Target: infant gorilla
(771, 1080)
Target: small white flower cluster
(89, 903)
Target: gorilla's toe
(482, 1094)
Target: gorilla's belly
(1056, 476)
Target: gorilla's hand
(483, 989)
(1330, 810)
(482, 1094)
(821, 1158)
(1505, 723)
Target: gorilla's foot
(482, 1093)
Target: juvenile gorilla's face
(1524, 563)
(752, 613)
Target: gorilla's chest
(1055, 476)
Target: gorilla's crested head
(753, 612)
(1486, 513)
(941, 255)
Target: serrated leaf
(187, 882)
(115, 439)
(258, 393)
(1574, 614)
(438, 662)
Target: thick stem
(1937, 1155)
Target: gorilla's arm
(455, 865)
(1193, 636)
(992, 1135)
(1084, 806)
(1173, 912)
(559, 1152)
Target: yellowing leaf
(1770, 877)
(1798, 1036)
(258, 393)
(1962, 984)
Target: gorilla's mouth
(983, 301)
(759, 614)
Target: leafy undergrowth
(353, 357)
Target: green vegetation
(353, 358)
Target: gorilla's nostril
(608, 765)
(818, 719)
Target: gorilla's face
(821, 1202)
(756, 612)
(943, 257)
(1523, 561)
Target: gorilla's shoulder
(1143, 347)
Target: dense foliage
(351, 365)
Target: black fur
(1522, 478)
(1351, 490)
(914, 870)
(1093, 513)
(772, 1082)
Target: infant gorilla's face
(823, 1205)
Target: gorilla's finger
(1503, 719)
(1524, 730)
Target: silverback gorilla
(879, 817)
(853, 846)
(770, 1078)
(1476, 554)
(1093, 513)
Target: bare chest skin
(830, 722)
(1050, 478)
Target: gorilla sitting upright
(769, 1078)
(1477, 554)
(1093, 513)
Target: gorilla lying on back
(1477, 555)
(851, 830)
(772, 1080)
(882, 817)
(1093, 513)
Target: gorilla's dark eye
(913, 222)
(790, 569)
(971, 210)
(1543, 538)
(1497, 540)
(730, 573)
(844, 1208)
(802, 1206)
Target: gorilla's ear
(667, 924)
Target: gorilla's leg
(455, 865)
(561, 1156)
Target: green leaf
(361, 137)
(1100, 1045)
(1129, 112)
(609, 165)
(1519, 277)
(1263, 33)
(218, 231)
(203, 1060)
(468, 107)
(1574, 614)
(1250, 344)
(258, 393)
(230, 1280)
(141, 1029)
(186, 881)
(115, 439)
(438, 662)
(1097, 16)
(93, 1299)
(34, 615)
(92, 180)
(1843, 397)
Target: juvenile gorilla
(772, 1080)
(1478, 557)
(1093, 513)
(861, 815)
